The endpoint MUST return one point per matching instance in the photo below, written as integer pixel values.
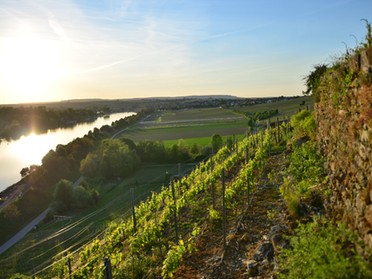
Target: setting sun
(29, 66)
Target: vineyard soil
(247, 231)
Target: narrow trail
(249, 234)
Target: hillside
(227, 219)
(293, 200)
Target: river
(30, 149)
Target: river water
(30, 149)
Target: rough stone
(360, 205)
(345, 139)
(265, 251)
(368, 214)
(368, 240)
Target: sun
(30, 67)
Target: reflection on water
(30, 149)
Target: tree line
(18, 121)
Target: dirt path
(249, 236)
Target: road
(21, 234)
(18, 236)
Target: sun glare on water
(28, 148)
(29, 67)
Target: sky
(115, 49)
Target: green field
(186, 124)
(203, 115)
(198, 141)
(284, 107)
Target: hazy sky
(69, 49)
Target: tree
(90, 165)
(82, 197)
(216, 142)
(63, 195)
(25, 171)
(152, 152)
(116, 159)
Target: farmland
(203, 123)
(184, 124)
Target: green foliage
(303, 124)
(89, 165)
(67, 197)
(312, 81)
(156, 152)
(305, 169)
(151, 151)
(83, 198)
(216, 142)
(291, 196)
(213, 213)
(116, 159)
(113, 159)
(173, 259)
(306, 163)
(320, 249)
(63, 195)
(176, 253)
(253, 118)
(21, 276)
(271, 214)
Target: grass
(285, 107)
(185, 132)
(40, 246)
(206, 114)
(188, 124)
(202, 141)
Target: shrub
(323, 250)
(303, 124)
(306, 163)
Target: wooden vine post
(108, 270)
(69, 268)
(223, 209)
(248, 188)
(175, 211)
(133, 211)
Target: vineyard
(152, 241)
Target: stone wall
(344, 136)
